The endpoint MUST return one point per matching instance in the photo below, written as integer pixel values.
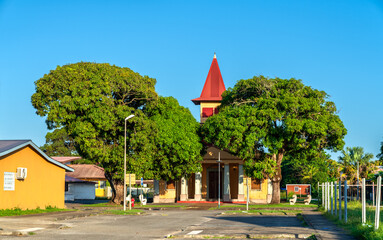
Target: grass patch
(122, 212)
(102, 205)
(258, 211)
(354, 221)
(160, 206)
(262, 206)
(18, 211)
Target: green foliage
(262, 120)
(59, 143)
(18, 211)
(91, 101)
(349, 161)
(176, 142)
(380, 155)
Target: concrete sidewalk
(324, 229)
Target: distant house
(299, 189)
(30, 179)
(93, 173)
(66, 160)
(78, 189)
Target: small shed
(299, 189)
(78, 189)
(29, 178)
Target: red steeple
(214, 86)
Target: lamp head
(129, 117)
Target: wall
(166, 195)
(256, 196)
(44, 185)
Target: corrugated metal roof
(6, 145)
(75, 180)
(87, 171)
(9, 146)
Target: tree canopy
(263, 119)
(58, 143)
(176, 141)
(349, 161)
(90, 101)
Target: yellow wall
(258, 196)
(44, 185)
(166, 193)
(208, 105)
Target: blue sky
(335, 46)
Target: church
(203, 186)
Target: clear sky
(335, 46)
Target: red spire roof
(214, 86)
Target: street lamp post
(219, 179)
(130, 187)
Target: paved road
(158, 224)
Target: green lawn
(112, 205)
(354, 223)
(18, 211)
(122, 212)
(262, 206)
(160, 206)
(266, 211)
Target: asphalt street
(178, 224)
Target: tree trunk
(119, 197)
(117, 189)
(276, 180)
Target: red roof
(65, 159)
(214, 86)
(87, 171)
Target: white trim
(30, 143)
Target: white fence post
(377, 209)
(332, 197)
(363, 200)
(323, 199)
(345, 201)
(328, 197)
(335, 198)
(340, 199)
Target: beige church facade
(228, 174)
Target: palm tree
(353, 157)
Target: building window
(66, 187)
(256, 184)
(296, 189)
(207, 112)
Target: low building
(76, 189)
(93, 173)
(299, 189)
(30, 179)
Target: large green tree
(58, 143)
(91, 101)
(177, 145)
(262, 120)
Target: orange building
(30, 179)
(203, 186)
